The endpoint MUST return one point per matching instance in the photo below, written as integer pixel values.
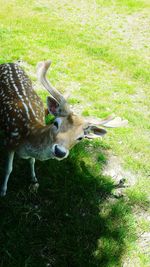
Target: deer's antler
(42, 68)
(109, 122)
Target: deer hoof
(2, 193)
(34, 187)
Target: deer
(22, 120)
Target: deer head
(68, 128)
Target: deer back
(20, 107)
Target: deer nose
(60, 151)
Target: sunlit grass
(100, 54)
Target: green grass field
(100, 53)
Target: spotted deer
(22, 119)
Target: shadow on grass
(72, 222)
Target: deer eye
(80, 138)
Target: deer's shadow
(71, 222)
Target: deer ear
(94, 132)
(52, 105)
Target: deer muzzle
(60, 152)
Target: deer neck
(38, 143)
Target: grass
(72, 221)
(100, 53)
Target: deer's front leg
(34, 186)
(8, 170)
